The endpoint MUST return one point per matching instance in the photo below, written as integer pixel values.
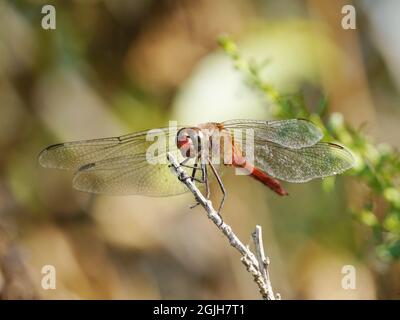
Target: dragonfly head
(189, 142)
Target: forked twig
(263, 261)
(257, 264)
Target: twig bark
(263, 260)
(256, 266)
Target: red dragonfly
(136, 163)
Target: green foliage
(377, 166)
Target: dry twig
(256, 265)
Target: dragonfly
(269, 151)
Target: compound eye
(182, 137)
(187, 142)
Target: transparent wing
(131, 175)
(122, 165)
(304, 164)
(293, 133)
(128, 175)
(73, 155)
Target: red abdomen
(273, 184)
(270, 182)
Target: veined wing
(127, 175)
(122, 165)
(293, 133)
(303, 164)
(75, 154)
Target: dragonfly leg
(203, 175)
(183, 163)
(221, 185)
(194, 167)
(205, 178)
(187, 166)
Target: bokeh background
(114, 67)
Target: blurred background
(115, 67)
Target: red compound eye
(187, 141)
(186, 147)
(182, 141)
